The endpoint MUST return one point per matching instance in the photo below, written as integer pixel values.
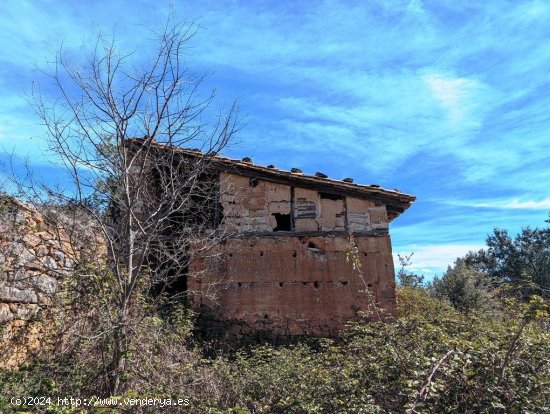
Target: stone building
(284, 265)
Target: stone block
(10, 294)
(306, 225)
(5, 313)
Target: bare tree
(118, 127)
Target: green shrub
(433, 359)
(464, 287)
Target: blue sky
(446, 100)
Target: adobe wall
(298, 281)
(286, 286)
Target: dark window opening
(253, 182)
(344, 282)
(199, 207)
(316, 285)
(283, 222)
(294, 253)
(168, 275)
(330, 196)
(281, 284)
(312, 247)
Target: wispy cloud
(432, 260)
(445, 100)
(518, 204)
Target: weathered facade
(286, 261)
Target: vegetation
(104, 120)
(433, 359)
(522, 262)
(465, 287)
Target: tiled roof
(396, 201)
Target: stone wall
(33, 258)
(37, 253)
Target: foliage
(117, 125)
(464, 287)
(522, 261)
(433, 359)
(404, 276)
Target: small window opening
(316, 285)
(239, 284)
(261, 253)
(283, 222)
(344, 282)
(253, 182)
(281, 284)
(294, 253)
(265, 316)
(329, 196)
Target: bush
(464, 287)
(434, 359)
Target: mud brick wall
(251, 206)
(296, 285)
(297, 281)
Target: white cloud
(459, 96)
(432, 259)
(516, 204)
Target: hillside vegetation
(470, 342)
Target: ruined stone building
(284, 265)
